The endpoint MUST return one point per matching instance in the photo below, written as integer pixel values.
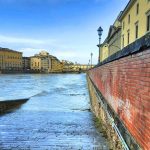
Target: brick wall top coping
(139, 45)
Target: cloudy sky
(64, 28)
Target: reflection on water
(56, 116)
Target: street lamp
(89, 64)
(91, 59)
(100, 30)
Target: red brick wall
(125, 84)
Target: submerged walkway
(55, 118)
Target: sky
(66, 29)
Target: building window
(129, 19)
(137, 9)
(128, 37)
(122, 41)
(136, 30)
(148, 22)
(123, 24)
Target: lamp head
(100, 30)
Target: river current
(56, 117)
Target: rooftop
(8, 50)
(126, 9)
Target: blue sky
(64, 28)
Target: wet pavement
(55, 118)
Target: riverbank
(36, 72)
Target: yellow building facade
(112, 43)
(114, 37)
(45, 63)
(35, 63)
(131, 24)
(57, 65)
(10, 60)
(104, 52)
(135, 21)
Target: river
(56, 117)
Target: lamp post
(100, 30)
(91, 59)
(89, 64)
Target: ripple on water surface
(56, 116)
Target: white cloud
(62, 54)
(8, 39)
(65, 54)
(30, 51)
(70, 55)
(63, 49)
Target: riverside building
(35, 64)
(135, 21)
(10, 61)
(45, 63)
(131, 24)
(112, 43)
(56, 65)
(26, 64)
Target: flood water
(55, 118)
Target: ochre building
(112, 43)
(135, 21)
(10, 60)
(131, 24)
(56, 65)
(45, 63)
(35, 63)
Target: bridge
(77, 67)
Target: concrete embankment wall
(124, 82)
(10, 105)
